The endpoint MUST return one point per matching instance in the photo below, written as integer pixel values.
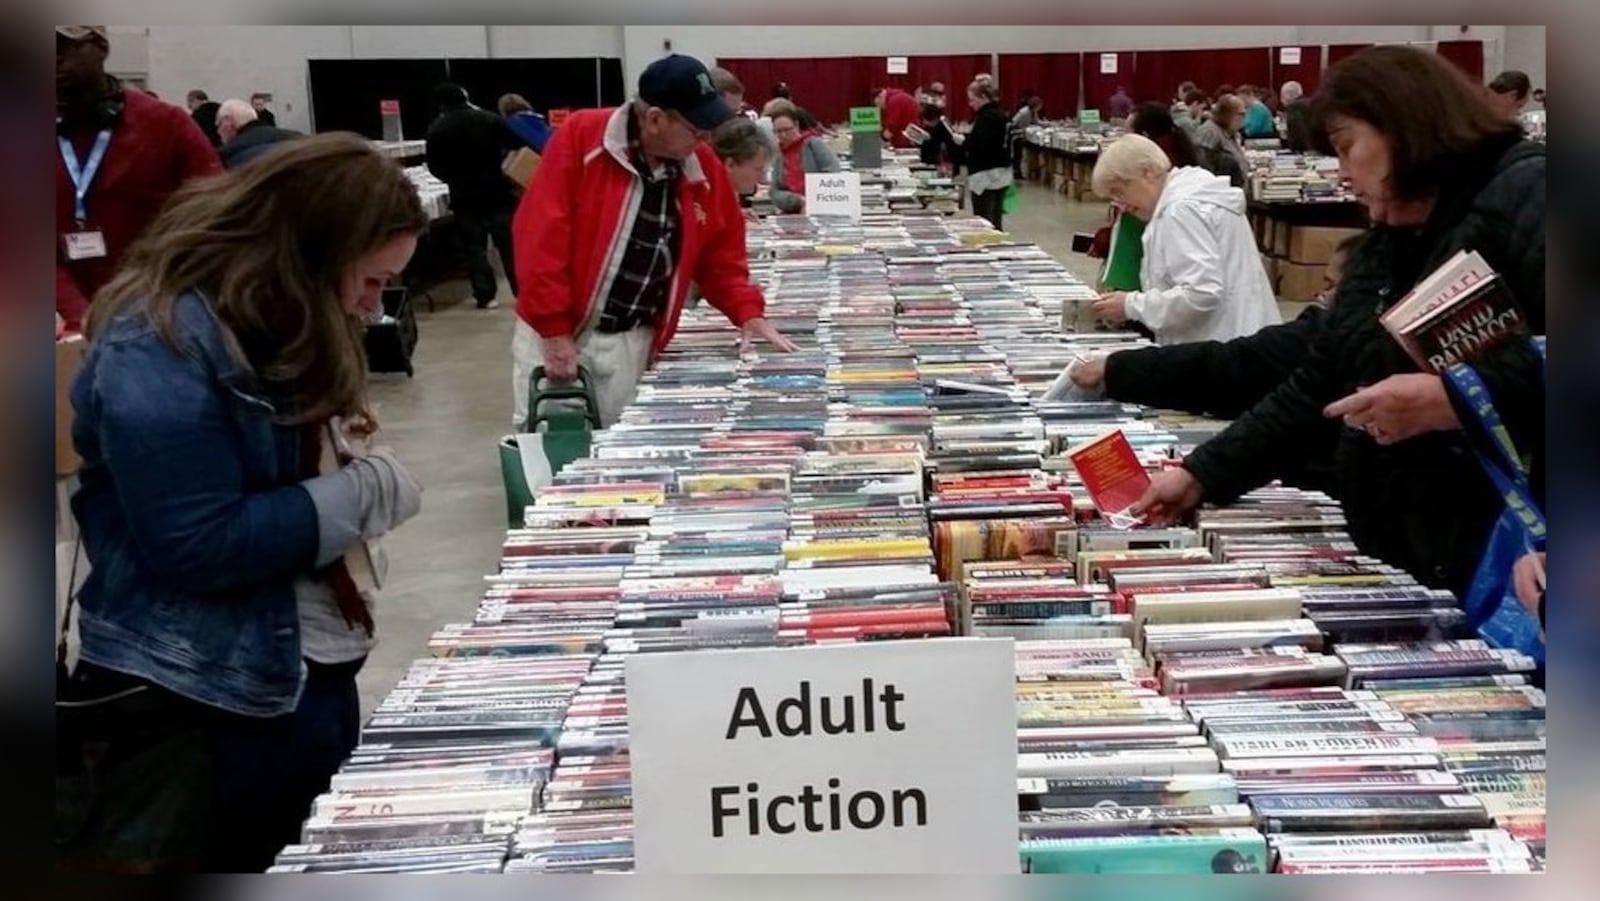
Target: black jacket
(1423, 504)
(205, 116)
(988, 145)
(1225, 379)
(1297, 126)
(939, 144)
(466, 146)
(252, 141)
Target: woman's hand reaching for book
(1397, 408)
(1170, 497)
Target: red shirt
(794, 173)
(899, 110)
(154, 148)
(577, 212)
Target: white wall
(413, 42)
(236, 61)
(543, 40)
(1524, 49)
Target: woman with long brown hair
(228, 607)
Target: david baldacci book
(1459, 312)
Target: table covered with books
(1247, 693)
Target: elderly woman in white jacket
(1201, 278)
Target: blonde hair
(983, 89)
(1126, 159)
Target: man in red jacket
(120, 155)
(627, 207)
(899, 110)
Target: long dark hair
(1435, 119)
(268, 246)
(1154, 121)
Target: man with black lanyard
(120, 155)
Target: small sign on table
(892, 757)
(833, 194)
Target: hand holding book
(1460, 312)
(1397, 408)
(1171, 495)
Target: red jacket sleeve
(723, 272)
(70, 302)
(542, 238)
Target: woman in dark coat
(1439, 171)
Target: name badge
(85, 245)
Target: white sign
(899, 65)
(833, 194)
(1288, 56)
(885, 757)
(1108, 64)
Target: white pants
(615, 362)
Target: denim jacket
(192, 515)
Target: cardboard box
(1299, 282)
(1316, 244)
(69, 357)
(520, 166)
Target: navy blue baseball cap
(683, 85)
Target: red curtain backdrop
(1157, 73)
(956, 71)
(1098, 88)
(1246, 65)
(1337, 52)
(1467, 55)
(1053, 76)
(820, 85)
(1308, 71)
(827, 87)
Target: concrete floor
(444, 425)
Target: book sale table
(1247, 693)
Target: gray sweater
(815, 156)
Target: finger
(1349, 404)
(1146, 501)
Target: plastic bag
(1012, 201)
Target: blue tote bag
(1491, 603)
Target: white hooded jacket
(1201, 276)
